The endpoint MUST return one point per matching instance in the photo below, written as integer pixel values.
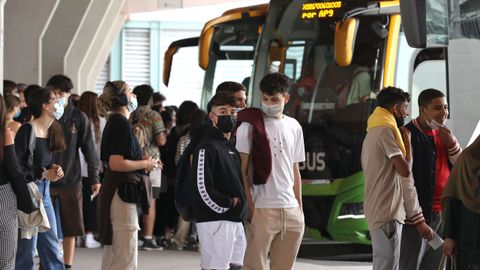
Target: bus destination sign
(320, 10)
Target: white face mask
(432, 123)
(59, 109)
(133, 104)
(272, 110)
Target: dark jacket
(78, 135)
(424, 167)
(217, 179)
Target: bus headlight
(351, 210)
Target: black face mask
(226, 123)
(400, 121)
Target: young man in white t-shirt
(276, 221)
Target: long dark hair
(55, 134)
(3, 125)
(88, 105)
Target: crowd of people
(79, 167)
(225, 181)
(420, 186)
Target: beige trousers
(275, 230)
(123, 253)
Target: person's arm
(451, 225)
(87, 147)
(297, 184)
(158, 128)
(247, 186)
(243, 146)
(203, 167)
(22, 140)
(402, 164)
(118, 163)
(299, 156)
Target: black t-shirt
(118, 139)
(42, 157)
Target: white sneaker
(90, 242)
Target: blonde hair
(106, 102)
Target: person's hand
(449, 247)
(406, 135)
(9, 136)
(96, 188)
(235, 201)
(54, 173)
(151, 164)
(424, 230)
(446, 136)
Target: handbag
(443, 262)
(25, 197)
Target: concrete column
(86, 33)
(100, 46)
(25, 23)
(2, 37)
(59, 35)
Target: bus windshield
(231, 53)
(332, 103)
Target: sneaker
(173, 245)
(90, 242)
(191, 246)
(164, 242)
(149, 244)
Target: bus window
(332, 103)
(429, 72)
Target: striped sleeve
(454, 152)
(410, 197)
(216, 201)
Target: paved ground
(90, 259)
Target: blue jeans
(46, 242)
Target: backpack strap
(31, 145)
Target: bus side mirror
(414, 22)
(167, 64)
(204, 44)
(425, 22)
(345, 36)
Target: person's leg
(47, 242)
(410, 248)
(71, 214)
(183, 228)
(386, 246)
(107, 257)
(89, 216)
(260, 233)
(125, 227)
(285, 246)
(216, 243)
(148, 222)
(239, 246)
(429, 257)
(8, 227)
(25, 254)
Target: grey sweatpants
(386, 245)
(415, 252)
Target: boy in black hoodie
(220, 199)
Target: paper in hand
(436, 241)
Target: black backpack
(184, 186)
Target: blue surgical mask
(59, 111)
(17, 114)
(62, 101)
(133, 104)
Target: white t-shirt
(285, 136)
